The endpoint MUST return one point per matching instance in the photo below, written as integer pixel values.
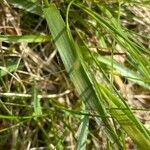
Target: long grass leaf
(124, 71)
(71, 59)
(24, 38)
(83, 132)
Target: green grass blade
(95, 96)
(24, 38)
(124, 71)
(127, 120)
(71, 58)
(27, 5)
(120, 36)
(15, 117)
(121, 111)
(83, 133)
(36, 101)
(8, 69)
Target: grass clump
(75, 75)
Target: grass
(72, 73)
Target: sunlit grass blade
(24, 38)
(15, 117)
(124, 71)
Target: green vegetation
(75, 74)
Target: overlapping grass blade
(71, 58)
(120, 36)
(91, 92)
(120, 111)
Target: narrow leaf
(83, 133)
(24, 38)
